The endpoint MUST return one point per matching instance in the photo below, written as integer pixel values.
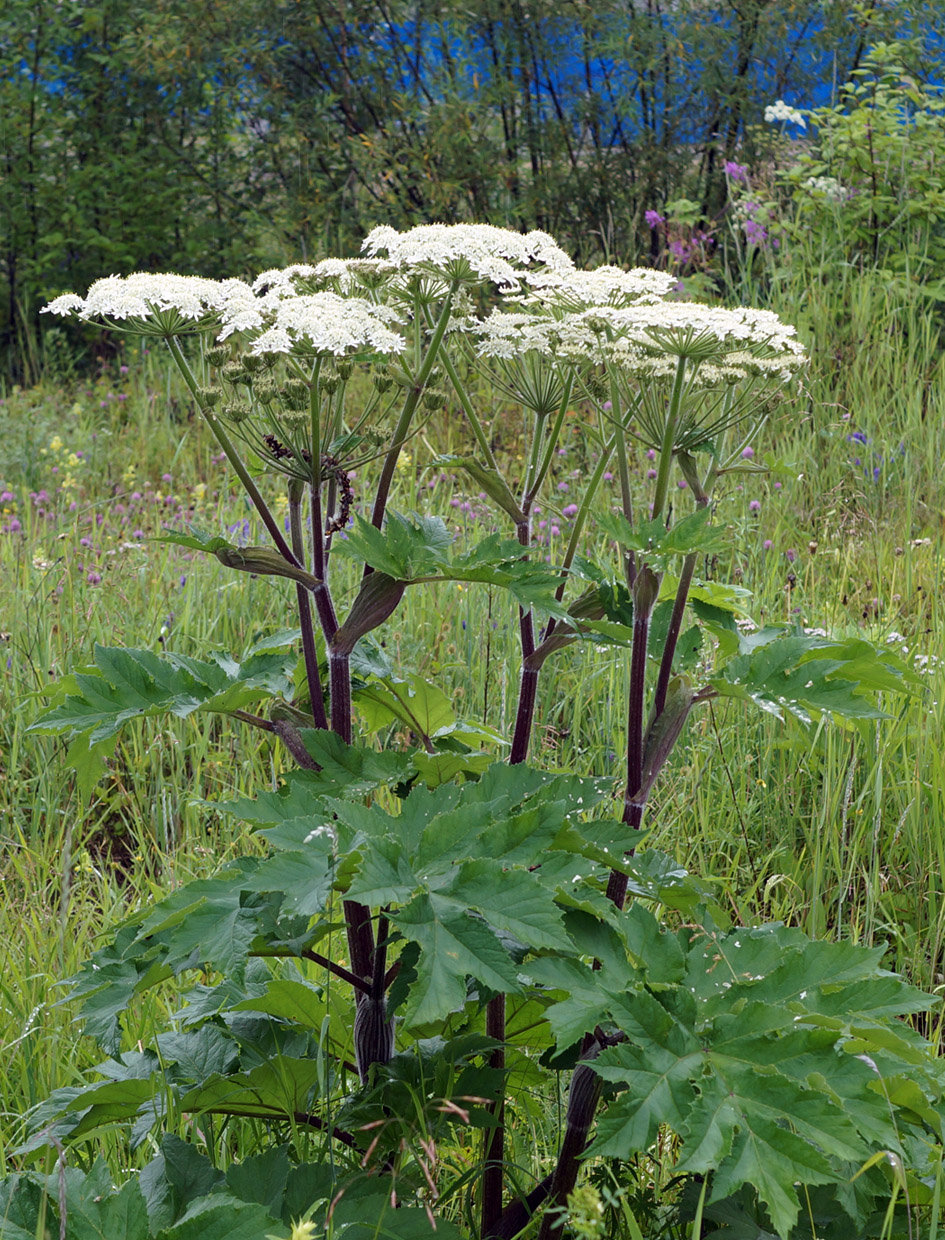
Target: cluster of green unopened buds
(318, 370)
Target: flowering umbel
(156, 305)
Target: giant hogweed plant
(439, 929)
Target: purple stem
(494, 1152)
(525, 714)
(339, 682)
(672, 635)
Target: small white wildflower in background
(782, 111)
(826, 187)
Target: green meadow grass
(843, 836)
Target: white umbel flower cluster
(470, 253)
(642, 339)
(506, 335)
(603, 286)
(673, 324)
(157, 304)
(316, 323)
(781, 111)
(828, 188)
(344, 275)
(282, 279)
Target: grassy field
(843, 837)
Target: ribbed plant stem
(494, 1142)
(583, 1097)
(309, 653)
(669, 438)
(524, 715)
(493, 1176)
(672, 633)
(339, 684)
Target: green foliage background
(215, 138)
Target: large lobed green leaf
(771, 1057)
(805, 675)
(129, 684)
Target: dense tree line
(210, 136)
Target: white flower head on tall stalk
(506, 335)
(784, 113)
(470, 253)
(699, 333)
(153, 304)
(315, 323)
(340, 275)
(604, 286)
(645, 336)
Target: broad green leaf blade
(738, 1132)
(407, 547)
(791, 675)
(656, 543)
(96, 1211)
(222, 1218)
(452, 947)
(278, 1089)
(261, 1178)
(132, 684)
(508, 899)
(415, 702)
